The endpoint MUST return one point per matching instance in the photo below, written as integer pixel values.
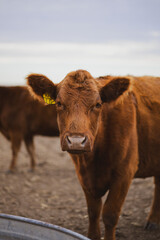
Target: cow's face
(79, 98)
(78, 106)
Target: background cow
(111, 128)
(22, 117)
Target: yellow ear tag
(48, 99)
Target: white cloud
(57, 59)
(154, 34)
(59, 52)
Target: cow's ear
(115, 88)
(41, 85)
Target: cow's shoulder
(147, 92)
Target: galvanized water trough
(20, 228)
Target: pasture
(53, 194)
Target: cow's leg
(30, 148)
(113, 204)
(94, 210)
(16, 143)
(154, 216)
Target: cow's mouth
(76, 151)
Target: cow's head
(79, 99)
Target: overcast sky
(53, 37)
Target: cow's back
(13, 102)
(147, 93)
(19, 111)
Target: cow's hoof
(152, 226)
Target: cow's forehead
(81, 87)
(79, 79)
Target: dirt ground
(53, 194)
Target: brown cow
(111, 128)
(22, 117)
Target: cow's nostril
(83, 140)
(69, 140)
(76, 141)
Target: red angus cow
(22, 117)
(111, 128)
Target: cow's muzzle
(76, 144)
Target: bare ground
(53, 194)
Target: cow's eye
(98, 105)
(59, 104)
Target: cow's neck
(94, 169)
(93, 175)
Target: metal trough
(20, 228)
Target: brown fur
(22, 117)
(123, 135)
